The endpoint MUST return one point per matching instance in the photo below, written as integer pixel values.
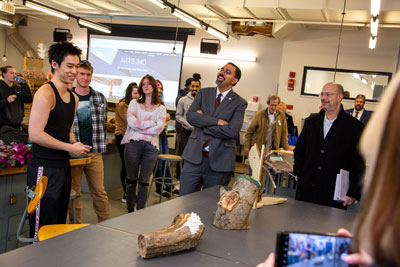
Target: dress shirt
(327, 125)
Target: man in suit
(358, 111)
(327, 144)
(217, 116)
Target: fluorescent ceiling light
(159, 3)
(374, 26)
(45, 9)
(186, 17)
(375, 7)
(6, 22)
(94, 26)
(221, 57)
(217, 33)
(372, 42)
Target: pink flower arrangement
(15, 155)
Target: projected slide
(118, 61)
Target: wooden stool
(170, 160)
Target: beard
(358, 107)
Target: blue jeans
(138, 155)
(163, 149)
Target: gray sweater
(183, 106)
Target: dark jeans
(163, 149)
(183, 139)
(121, 149)
(138, 154)
(196, 176)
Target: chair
(169, 161)
(47, 231)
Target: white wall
(258, 78)
(14, 57)
(318, 48)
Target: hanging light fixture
(6, 22)
(186, 17)
(94, 26)
(4, 58)
(217, 33)
(159, 3)
(372, 42)
(375, 9)
(46, 9)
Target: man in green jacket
(268, 127)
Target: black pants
(53, 207)
(139, 155)
(121, 149)
(183, 139)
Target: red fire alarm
(292, 74)
(290, 84)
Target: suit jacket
(364, 116)
(222, 138)
(317, 161)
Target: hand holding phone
(309, 249)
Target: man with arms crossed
(327, 144)
(50, 130)
(90, 129)
(217, 116)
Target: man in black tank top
(50, 130)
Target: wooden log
(183, 234)
(235, 206)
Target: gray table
(245, 246)
(113, 242)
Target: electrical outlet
(13, 199)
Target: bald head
(331, 97)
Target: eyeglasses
(326, 94)
(226, 71)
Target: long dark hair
(128, 92)
(379, 218)
(155, 100)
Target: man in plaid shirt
(90, 129)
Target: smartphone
(302, 249)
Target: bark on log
(233, 214)
(183, 234)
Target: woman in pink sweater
(146, 120)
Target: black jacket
(318, 160)
(11, 114)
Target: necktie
(356, 116)
(217, 102)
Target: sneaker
(175, 192)
(123, 199)
(163, 195)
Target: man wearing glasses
(327, 144)
(90, 129)
(217, 116)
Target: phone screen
(304, 249)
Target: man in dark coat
(328, 143)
